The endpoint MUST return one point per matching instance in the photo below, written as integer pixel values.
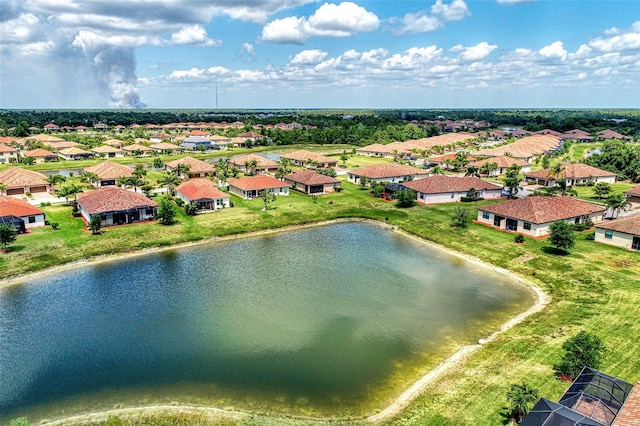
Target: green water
(322, 322)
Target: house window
(453, 194)
(32, 219)
(485, 215)
(608, 234)
(527, 226)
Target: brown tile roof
(629, 414)
(195, 165)
(15, 207)
(452, 156)
(109, 170)
(442, 184)
(5, 148)
(573, 171)
(38, 153)
(309, 177)
(114, 142)
(540, 209)
(201, 189)
(635, 191)
(74, 151)
(16, 177)
(43, 137)
(105, 149)
(626, 225)
(380, 171)
(136, 147)
(166, 146)
(62, 144)
(257, 182)
(376, 147)
(525, 147)
(262, 161)
(304, 155)
(111, 199)
(503, 162)
(611, 134)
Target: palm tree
(3, 188)
(170, 181)
(436, 170)
(56, 179)
(251, 166)
(616, 203)
(521, 399)
(89, 177)
(182, 170)
(472, 171)
(556, 172)
(139, 171)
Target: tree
(166, 210)
(181, 170)
(8, 235)
(55, 180)
(28, 160)
(157, 163)
(561, 236)
(472, 171)
(89, 177)
(95, 224)
(140, 172)
(251, 166)
(405, 198)
(377, 189)
(70, 189)
(191, 209)
(512, 180)
(617, 202)
(521, 399)
(581, 350)
(3, 188)
(267, 197)
(460, 217)
(170, 180)
(344, 157)
(436, 170)
(556, 172)
(546, 162)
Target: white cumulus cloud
(193, 35)
(454, 11)
(308, 57)
(554, 51)
(474, 53)
(422, 22)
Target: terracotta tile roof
(74, 151)
(309, 177)
(525, 147)
(629, 414)
(7, 139)
(136, 147)
(195, 166)
(165, 146)
(5, 148)
(201, 189)
(503, 162)
(62, 144)
(442, 184)
(441, 158)
(611, 134)
(111, 199)
(257, 182)
(541, 209)
(42, 137)
(114, 142)
(376, 147)
(109, 170)
(304, 155)
(16, 177)
(380, 171)
(15, 207)
(262, 161)
(198, 133)
(105, 149)
(38, 153)
(573, 171)
(635, 191)
(627, 225)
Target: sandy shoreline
(396, 407)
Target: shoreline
(400, 403)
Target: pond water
(326, 321)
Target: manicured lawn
(586, 192)
(594, 288)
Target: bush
(460, 217)
(590, 237)
(579, 227)
(466, 199)
(519, 238)
(179, 202)
(581, 350)
(55, 226)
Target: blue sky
(320, 54)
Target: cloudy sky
(319, 54)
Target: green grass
(586, 192)
(594, 288)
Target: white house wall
(450, 197)
(618, 239)
(537, 230)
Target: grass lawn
(594, 288)
(586, 192)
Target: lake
(325, 321)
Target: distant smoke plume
(115, 69)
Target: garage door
(15, 191)
(38, 189)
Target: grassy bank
(595, 288)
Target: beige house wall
(618, 239)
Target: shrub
(466, 199)
(579, 227)
(460, 217)
(590, 237)
(581, 350)
(55, 226)
(179, 202)
(519, 238)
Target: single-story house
(612, 134)
(623, 232)
(503, 163)
(117, 143)
(8, 154)
(250, 187)
(193, 143)
(167, 148)
(74, 153)
(197, 168)
(574, 174)
(60, 145)
(220, 142)
(312, 183)
(109, 173)
(159, 137)
(20, 214)
(116, 206)
(532, 216)
(108, 151)
(445, 159)
(375, 150)
(18, 181)
(446, 189)
(633, 195)
(387, 173)
(263, 164)
(40, 155)
(137, 150)
(303, 158)
(204, 192)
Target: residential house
(197, 168)
(311, 182)
(578, 136)
(194, 143)
(574, 174)
(116, 143)
(8, 154)
(220, 142)
(108, 151)
(611, 134)
(51, 127)
(526, 148)
(109, 173)
(159, 137)
(633, 195)
(305, 158)
(447, 189)
(116, 206)
(18, 181)
(623, 232)
(20, 214)
(40, 155)
(374, 150)
(503, 163)
(263, 164)
(204, 192)
(74, 154)
(57, 146)
(250, 136)
(250, 187)
(167, 148)
(447, 159)
(386, 173)
(533, 216)
(137, 150)
(100, 126)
